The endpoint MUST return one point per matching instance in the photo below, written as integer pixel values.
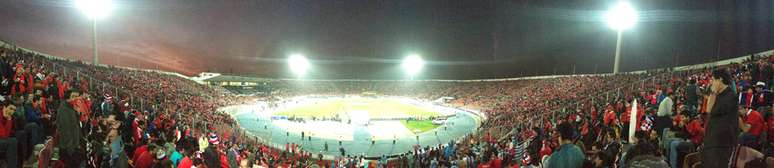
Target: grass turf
(376, 108)
(419, 126)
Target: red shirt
(544, 151)
(139, 151)
(610, 118)
(185, 163)
(223, 161)
(6, 127)
(145, 160)
(755, 120)
(696, 131)
(497, 163)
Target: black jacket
(723, 124)
(69, 127)
(692, 95)
(211, 157)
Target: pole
(95, 60)
(617, 53)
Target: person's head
(30, 97)
(653, 136)
(72, 94)
(720, 80)
(684, 120)
(692, 81)
(8, 109)
(565, 132)
(112, 134)
(160, 154)
(759, 86)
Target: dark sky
(366, 39)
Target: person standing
(8, 143)
(723, 122)
(692, 97)
(568, 155)
(664, 114)
(69, 128)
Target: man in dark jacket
(723, 123)
(211, 153)
(691, 97)
(69, 131)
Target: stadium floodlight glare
(413, 64)
(298, 64)
(620, 17)
(95, 9)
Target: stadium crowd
(61, 113)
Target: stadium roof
(231, 78)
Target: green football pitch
(376, 109)
(419, 126)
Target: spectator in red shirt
(146, 158)
(610, 118)
(186, 162)
(8, 144)
(752, 125)
(139, 151)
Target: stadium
(383, 84)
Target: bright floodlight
(95, 9)
(413, 64)
(621, 16)
(298, 64)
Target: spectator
(677, 140)
(691, 97)
(177, 156)
(763, 97)
(747, 98)
(752, 124)
(722, 124)
(568, 155)
(8, 144)
(67, 124)
(186, 162)
(664, 113)
(211, 153)
(147, 158)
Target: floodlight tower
(413, 64)
(298, 64)
(620, 17)
(95, 10)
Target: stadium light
(413, 64)
(95, 10)
(298, 64)
(620, 17)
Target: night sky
(366, 39)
